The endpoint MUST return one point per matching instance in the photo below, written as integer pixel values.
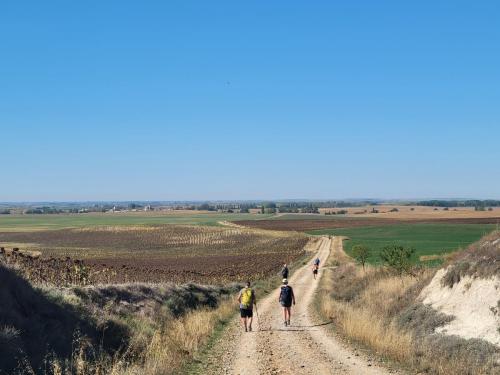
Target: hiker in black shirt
(286, 299)
(284, 272)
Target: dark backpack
(286, 295)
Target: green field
(58, 221)
(427, 239)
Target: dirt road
(305, 347)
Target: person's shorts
(315, 271)
(284, 304)
(246, 313)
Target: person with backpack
(246, 299)
(315, 267)
(284, 271)
(286, 299)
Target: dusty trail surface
(303, 348)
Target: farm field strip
(60, 221)
(428, 239)
(177, 253)
(335, 222)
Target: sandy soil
(306, 347)
(472, 301)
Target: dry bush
(481, 259)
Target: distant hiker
(315, 270)
(246, 299)
(286, 299)
(284, 271)
(315, 267)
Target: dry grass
(481, 259)
(173, 343)
(379, 311)
(119, 329)
(161, 351)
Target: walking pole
(257, 312)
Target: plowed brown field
(287, 224)
(162, 253)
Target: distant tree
(394, 210)
(361, 253)
(204, 207)
(5, 212)
(398, 258)
(412, 209)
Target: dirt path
(303, 348)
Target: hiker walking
(315, 267)
(284, 271)
(246, 299)
(286, 299)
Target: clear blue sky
(129, 100)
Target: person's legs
(243, 319)
(284, 314)
(289, 311)
(250, 320)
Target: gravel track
(305, 347)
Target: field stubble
(178, 253)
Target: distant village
(262, 207)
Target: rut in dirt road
(305, 347)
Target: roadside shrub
(398, 258)
(361, 253)
(422, 319)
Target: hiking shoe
(246, 329)
(249, 329)
(285, 323)
(288, 322)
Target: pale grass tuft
(175, 342)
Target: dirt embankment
(469, 291)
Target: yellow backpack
(246, 298)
